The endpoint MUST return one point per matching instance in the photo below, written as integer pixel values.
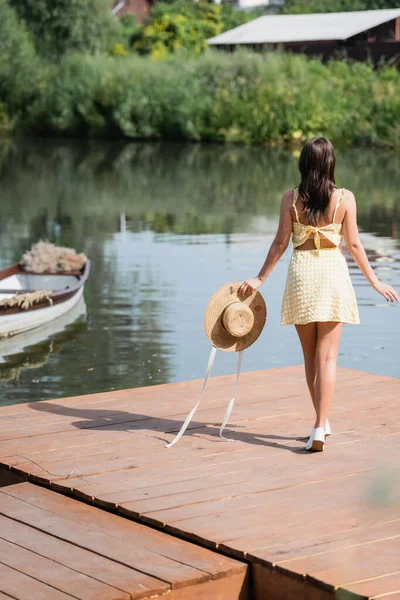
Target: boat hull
(19, 345)
(26, 320)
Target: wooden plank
(301, 542)
(56, 575)
(22, 587)
(110, 461)
(136, 584)
(117, 466)
(246, 506)
(119, 461)
(275, 529)
(244, 414)
(340, 568)
(193, 468)
(113, 460)
(94, 450)
(235, 586)
(169, 421)
(237, 483)
(125, 552)
(385, 586)
(51, 413)
(60, 417)
(183, 469)
(178, 550)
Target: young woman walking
(319, 295)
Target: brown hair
(317, 168)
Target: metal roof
(275, 29)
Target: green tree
(322, 6)
(59, 26)
(19, 64)
(183, 25)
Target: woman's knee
(326, 355)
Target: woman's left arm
(277, 248)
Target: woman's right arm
(356, 249)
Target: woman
(319, 296)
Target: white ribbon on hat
(230, 405)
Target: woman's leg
(308, 335)
(326, 356)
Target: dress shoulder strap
(295, 196)
(340, 198)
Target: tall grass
(271, 98)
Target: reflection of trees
(187, 188)
(170, 187)
(12, 369)
(36, 355)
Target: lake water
(165, 225)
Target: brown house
(139, 8)
(361, 34)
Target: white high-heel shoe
(317, 439)
(327, 428)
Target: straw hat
(233, 323)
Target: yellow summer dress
(318, 285)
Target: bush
(249, 98)
(125, 96)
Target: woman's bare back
(323, 222)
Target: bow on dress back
(333, 232)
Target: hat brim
(216, 332)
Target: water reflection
(70, 188)
(166, 224)
(32, 349)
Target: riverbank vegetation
(248, 98)
(272, 98)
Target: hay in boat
(45, 257)
(27, 300)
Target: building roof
(275, 29)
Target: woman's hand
(249, 286)
(386, 291)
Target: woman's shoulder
(345, 195)
(288, 196)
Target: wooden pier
(309, 526)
